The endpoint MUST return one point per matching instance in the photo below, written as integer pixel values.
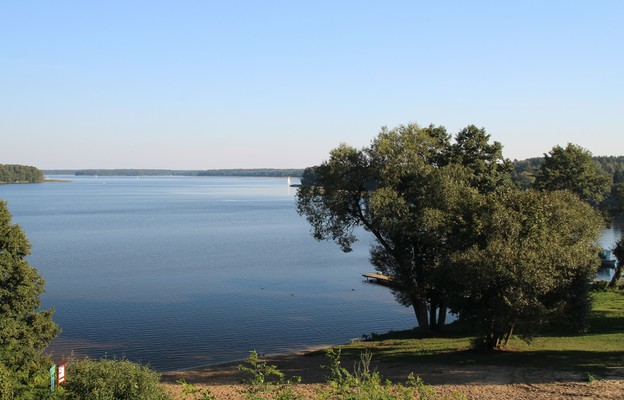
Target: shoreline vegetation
(550, 366)
(12, 173)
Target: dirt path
(477, 382)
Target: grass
(599, 351)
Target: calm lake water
(180, 272)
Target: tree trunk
(442, 317)
(420, 309)
(616, 276)
(433, 317)
(508, 335)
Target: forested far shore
(259, 172)
(612, 167)
(13, 173)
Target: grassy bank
(600, 351)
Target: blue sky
(278, 84)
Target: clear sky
(278, 84)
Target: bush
(110, 379)
(13, 388)
(365, 384)
(267, 381)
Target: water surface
(180, 272)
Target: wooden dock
(381, 279)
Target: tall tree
(572, 169)
(488, 169)
(25, 331)
(403, 189)
(534, 256)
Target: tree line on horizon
(612, 167)
(251, 172)
(13, 173)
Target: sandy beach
(477, 382)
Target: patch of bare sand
(477, 382)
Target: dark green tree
(487, 168)
(25, 331)
(573, 169)
(403, 188)
(532, 262)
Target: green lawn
(597, 351)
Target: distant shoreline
(247, 172)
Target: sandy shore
(477, 382)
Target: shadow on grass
(454, 349)
(521, 367)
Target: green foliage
(405, 189)
(534, 257)
(267, 380)
(10, 173)
(523, 174)
(7, 384)
(12, 387)
(192, 392)
(109, 379)
(525, 171)
(24, 330)
(261, 373)
(365, 384)
(573, 169)
(488, 170)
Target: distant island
(259, 172)
(13, 173)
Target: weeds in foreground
(267, 381)
(192, 392)
(361, 383)
(364, 383)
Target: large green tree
(404, 188)
(532, 261)
(25, 330)
(573, 169)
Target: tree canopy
(453, 230)
(25, 331)
(573, 169)
(533, 257)
(403, 189)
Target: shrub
(267, 381)
(365, 384)
(111, 379)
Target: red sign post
(60, 373)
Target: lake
(180, 272)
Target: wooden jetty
(381, 279)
